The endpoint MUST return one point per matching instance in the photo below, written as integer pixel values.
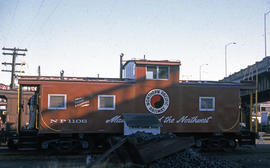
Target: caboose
(69, 112)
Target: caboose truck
(72, 112)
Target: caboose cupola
(152, 70)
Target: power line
(32, 21)
(46, 20)
(12, 18)
(14, 13)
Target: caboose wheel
(198, 143)
(232, 143)
(11, 145)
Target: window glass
(2, 107)
(163, 72)
(267, 109)
(207, 103)
(151, 72)
(157, 72)
(57, 101)
(106, 102)
(134, 69)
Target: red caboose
(83, 107)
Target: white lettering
(62, 120)
(78, 121)
(170, 120)
(69, 121)
(194, 120)
(53, 121)
(115, 119)
(84, 121)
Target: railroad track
(33, 159)
(36, 155)
(6, 153)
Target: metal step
(26, 148)
(28, 143)
(28, 132)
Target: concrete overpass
(262, 69)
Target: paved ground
(29, 160)
(248, 156)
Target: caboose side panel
(82, 111)
(97, 105)
(209, 109)
(11, 97)
(183, 111)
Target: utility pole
(14, 53)
(226, 46)
(265, 33)
(121, 65)
(39, 72)
(201, 70)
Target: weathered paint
(12, 107)
(181, 115)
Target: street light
(201, 70)
(226, 56)
(265, 47)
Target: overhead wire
(22, 40)
(12, 19)
(36, 34)
(45, 22)
(32, 22)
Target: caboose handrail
(67, 78)
(241, 84)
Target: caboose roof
(35, 80)
(241, 84)
(154, 62)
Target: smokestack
(62, 74)
(121, 65)
(39, 71)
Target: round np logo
(157, 101)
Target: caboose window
(151, 72)
(57, 101)
(106, 102)
(207, 103)
(163, 72)
(157, 72)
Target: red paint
(155, 99)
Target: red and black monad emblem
(157, 101)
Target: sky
(85, 37)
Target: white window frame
(57, 108)
(158, 72)
(213, 104)
(106, 108)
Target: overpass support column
(251, 110)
